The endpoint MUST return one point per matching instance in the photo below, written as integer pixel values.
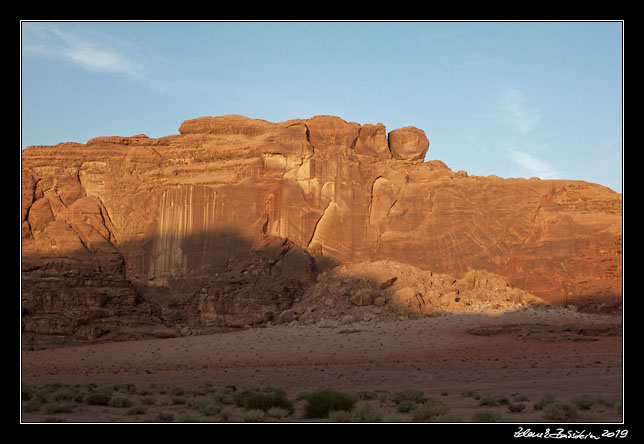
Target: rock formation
(229, 222)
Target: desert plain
(527, 353)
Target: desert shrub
(560, 411)
(120, 402)
(65, 394)
(516, 408)
(206, 407)
(177, 400)
(27, 391)
(137, 410)
(60, 407)
(588, 402)
(546, 400)
(487, 416)
(408, 395)
(488, 400)
(340, 416)
(97, 399)
(583, 401)
(446, 418)
(520, 398)
(177, 391)
(321, 402)
(32, 405)
(226, 413)
(428, 410)
(278, 412)
(395, 417)
(147, 400)
(406, 406)
(165, 417)
(266, 401)
(188, 418)
(366, 413)
(52, 387)
(383, 396)
(254, 415)
(240, 397)
(366, 395)
(41, 396)
(222, 396)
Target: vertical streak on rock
(315, 227)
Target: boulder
(364, 297)
(408, 143)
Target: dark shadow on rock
(161, 287)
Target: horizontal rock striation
(174, 231)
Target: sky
(511, 99)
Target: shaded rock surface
(229, 222)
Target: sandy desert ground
(527, 353)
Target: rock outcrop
(228, 221)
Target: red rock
(155, 223)
(408, 143)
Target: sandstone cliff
(232, 219)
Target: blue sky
(514, 99)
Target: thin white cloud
(532, 166)
(513, 110)
(91, 52)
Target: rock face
(228, 221)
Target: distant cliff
(234, 217)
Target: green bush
(27, 391)
(340, 416)
(177, 391)
(546, 400)
(66, 394)
(488, 400)
(60, 407)
(137, 410)
(406, 406)
(208, 407)
(253, 415)
(487, 416)
(446, 418)
(32, 405)
(560, 411)
(120, 402)
(588, 402)
(365, 413)
(430, 409)
(165, 417)
(321, 402)
(516, 408)
(97, 399)
(266, 401)
(278, 412)
(366, 395)
(408, 395)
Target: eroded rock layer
(153, 231)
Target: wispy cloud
(92, 52)
(532, 166)
(512, 109)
